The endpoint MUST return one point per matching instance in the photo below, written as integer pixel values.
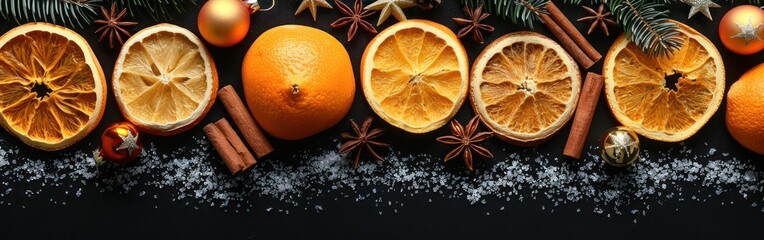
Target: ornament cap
(254, 6)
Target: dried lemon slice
(164, 80)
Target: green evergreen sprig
(66, 12)
(641, 20)
(524, 12)
(646, 26)
(159, 10)
(79, 13)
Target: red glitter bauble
(121, 143)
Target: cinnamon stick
(244, 121)
(567, 42)
(572, 32)
(236, 143)
(582, 120)
(226, 151)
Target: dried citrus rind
(414, 75)
(53, 88)
(524, 87)
(640, 97)
(164, 79)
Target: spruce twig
(67, 12)
(518, 11)
(159, 10)
(647, 27)
(641, 20)
(80, 13)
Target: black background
(114, 215)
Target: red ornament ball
(224, 23)
(121, 143)
(741, 30)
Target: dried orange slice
(414, 75)
(164, 80)
(641, 98)
(53, 90)
(524, 87)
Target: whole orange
(745, 109)
(298, 81)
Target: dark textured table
(116, 214)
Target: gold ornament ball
(223, 23)
(620, 146)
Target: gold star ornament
(701, 6)
(313, 6)
(390, 7)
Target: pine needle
(647, 27)
(641, 20)
(66, 12)
(518, 11)
(80, 13)
(159, 10)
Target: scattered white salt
(195, 176)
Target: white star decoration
(748, 32)
(387, 7)
(129, 142)
(700, 6)
(312, 5)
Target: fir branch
(67, 12)
(592, 2)
(518, 11)
(754, 2)
(159, 10)
(647, 27)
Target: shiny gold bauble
(224, 23)
(619, 146)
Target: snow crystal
(194, 176)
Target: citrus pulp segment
(524, 87)
(414, 75)
(164, 80)
(641, 97)
(53, 88)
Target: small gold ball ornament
(224, 23)
(619, 146)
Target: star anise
(113, 26)
(473, 24)
(364, 138)
(467, 140)
(354, 18)
(598, 18)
